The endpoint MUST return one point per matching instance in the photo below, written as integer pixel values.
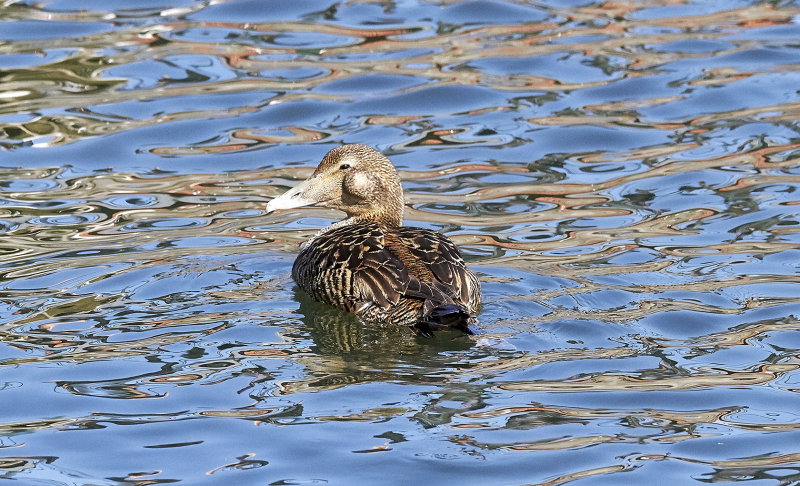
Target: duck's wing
(350, 267)
(443, 259)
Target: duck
(368, 263)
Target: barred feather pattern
(384, 273)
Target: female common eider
(368, 263)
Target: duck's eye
(344, 166)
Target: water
(623, 176)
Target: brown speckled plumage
(368, 263)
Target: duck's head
(355, 179)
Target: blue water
(622, 176)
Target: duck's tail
(451, 316)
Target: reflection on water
(623, 176)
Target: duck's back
(397, 275)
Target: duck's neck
(384, 218)
(353, 220)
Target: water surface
(623, 176)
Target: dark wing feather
(349, 267)
(442, 257)
(380, 279)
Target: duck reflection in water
(368, 263)
(347, 352)
(343, 336)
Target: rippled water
(624, 177)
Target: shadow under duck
(369, 263)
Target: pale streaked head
(353, 178)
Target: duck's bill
(297, 197)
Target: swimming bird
(369, 263)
